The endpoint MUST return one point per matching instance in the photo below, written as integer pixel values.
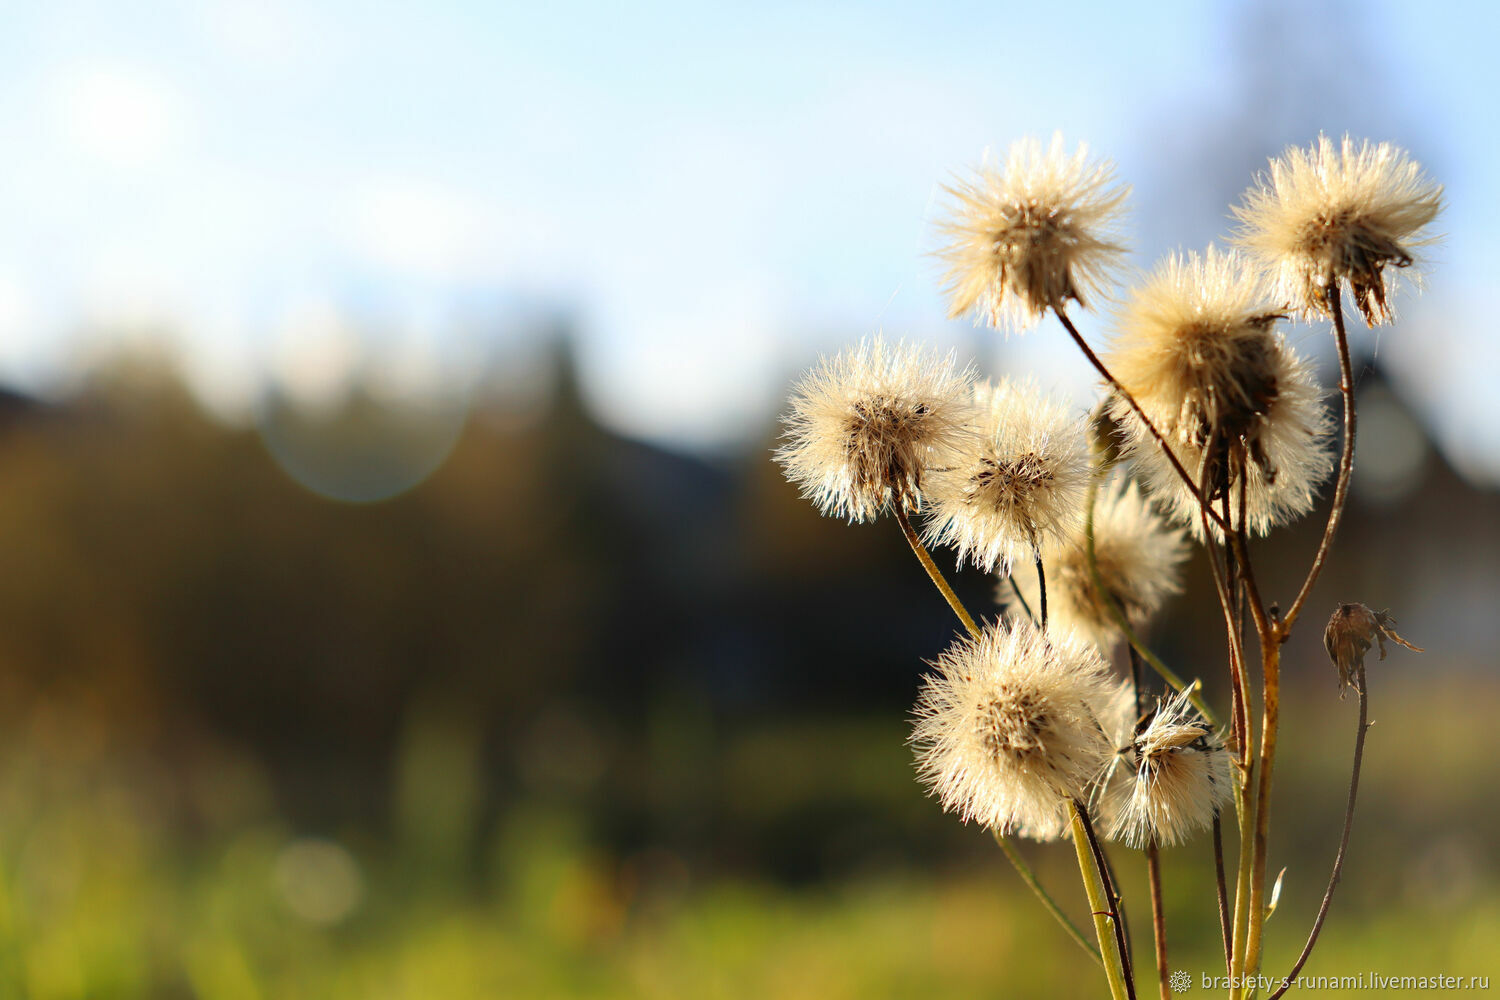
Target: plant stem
(1041, 584)
(933, 572)
(1114, 383)
(1338, 861)
(1270, 663)
(1106, 920)
(1240, 542)
(1158, 918)
(1346, 463)
(1237, 541)
(1245, 803)
(1029, 877)
(1223, 890)
(1239, 725)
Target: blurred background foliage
(583, 716)
(420, 615)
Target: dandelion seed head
(1339, 211)
(1198, 351)
(1031, 235)
(865, 427)
(1016, 483)
(1174, 775)
(1139, 557)
(1008, 727)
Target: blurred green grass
(101, 896)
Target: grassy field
(100, 898)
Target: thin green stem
(1106, 923)
(933, 573)
(1029, 877)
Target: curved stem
(1114, 383)
(1338, 861)
(933, 573)
(1346, 463)
(1106, 916)
(1029, 877)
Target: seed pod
(1351, 630)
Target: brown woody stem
(1114, 383)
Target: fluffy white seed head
(1197, 349)
(1009, 727)
(1139, 557)
(1031, 234)
(1017, 484)
(865, 427)
(1339, 211)
(1170, 779)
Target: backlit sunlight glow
(124, 117)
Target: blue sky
(716, 193)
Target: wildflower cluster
(1209, 424)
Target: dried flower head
(1031, 235)
(1351, 629)
(1008, 727)
(1197, 349)
(1175, 776)
(1339, 211)
(1139, 558)
(865, 427)
(1017, 483)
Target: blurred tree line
(675, 649)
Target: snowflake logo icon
(1180, 981)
